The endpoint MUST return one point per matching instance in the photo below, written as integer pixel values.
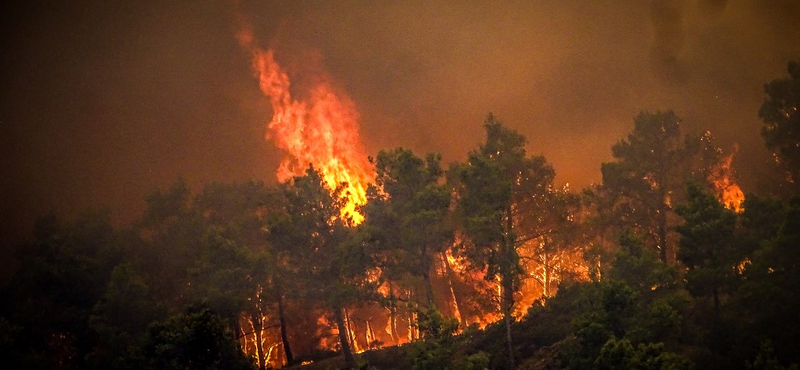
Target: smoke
(102, 101)
(669, 29)
(711, 9)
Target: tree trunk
(287, 350)
(393, 315)
(426, 277)
(370, 334)
(662, 234)
(507, 282)
(349, 361)
(413, 325)
(351, 331)
(508, 302)
(256, 319)
(456, 302)
(547, 267)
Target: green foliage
(226, 275)
(120, 318)
(622, 354)
(167, 207)
(405, 222)
(707, 245)
(609, 312)
(650, 169)
(760, 222)
(497, 186)
(320, 254)
(197, 339)
(772, 276)
(766, 359)
(475, 361)
(639, 267)
(433, 325)
(497, 177)
(436, 350)
(62, 274)
(638, 301)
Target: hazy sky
(102, 101)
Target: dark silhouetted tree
(707, 244)
(648, 174)
(781, 130)
(195, 340)
(62, 274)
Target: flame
(321, 130)
(319, 126)
(728, 191)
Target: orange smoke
(321, 130)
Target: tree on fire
(325, 259)
(551, 230)
(648, 175)
(406, 218)
(236, 272)
(493, 187)
(781, 130)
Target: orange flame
(728, 191)
(321, 130)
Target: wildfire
(319, 126)
(728, 191)
(321, 130)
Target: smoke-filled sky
(103, 101)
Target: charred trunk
(426, 277)
(547, 272)
(393, 315)
(508, 303)
(507, 269)
(349, 361)
(662, 234)
(287, 349)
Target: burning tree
(315, 242)
(648, 175)
(551, 228)
(493, 187)
(406, 216)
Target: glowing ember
(321, 130)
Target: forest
(479, 264)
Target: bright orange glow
(321, 130)
(728, 191)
